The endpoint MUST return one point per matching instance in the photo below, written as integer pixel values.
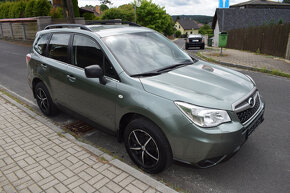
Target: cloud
(174, 7)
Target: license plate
(194, 40)
(256, 124)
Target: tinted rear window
(58, 47)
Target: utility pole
(70, 11)
(137, 4)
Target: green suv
(134, 82)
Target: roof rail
(67, 25)
(105, 22)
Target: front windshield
(145, 52)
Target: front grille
(245, 115)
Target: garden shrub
(29, 8)
(56, 12)
(89, 16)
(41, 8)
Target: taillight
(202, 40)
(28, 57)
(187, 40)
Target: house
(187, 26)
(249, 14)
(95, 10)
(261, 4)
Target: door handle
(44, 66)
(71, 78)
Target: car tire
(186, 47)
(147, 146)
(44, 100)
(202, 47)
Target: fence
(270, 40)
(26, 28)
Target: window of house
(58, 47)
(41, 44)
(86, 52)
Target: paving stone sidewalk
(35, 158)
(244, 58)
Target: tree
(70, 11)
(76, 8)
(153, 16)
(123, 12)
(104, 7)
(104, 2)
(206, 29)
(286, 1)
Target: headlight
(251, 79)
(203, 117)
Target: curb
(241, 66)
(116, 162)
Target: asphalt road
(262, 164)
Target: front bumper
(199, 146)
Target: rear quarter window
(41, 44)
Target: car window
(109, 70)
(41, 44)
(87, 52)
(58, 47)
(144, 52)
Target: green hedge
(18, 9)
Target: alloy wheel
(43, 100)
(143, 148)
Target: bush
(89, 16)
(4, 10)
(17, 9)
(178, 34)
(29, 8)
(41, 8)
(56, 12)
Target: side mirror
(95, 71)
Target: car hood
(201, 84)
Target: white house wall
(216, 35)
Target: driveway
(262, 164)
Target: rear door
(56, 66)
(88, 96)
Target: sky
(174, 7)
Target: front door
(87, 96)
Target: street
(262, 164)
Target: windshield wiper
(153, 73)
(169, 68)
(162, 70)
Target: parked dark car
(194, 41)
